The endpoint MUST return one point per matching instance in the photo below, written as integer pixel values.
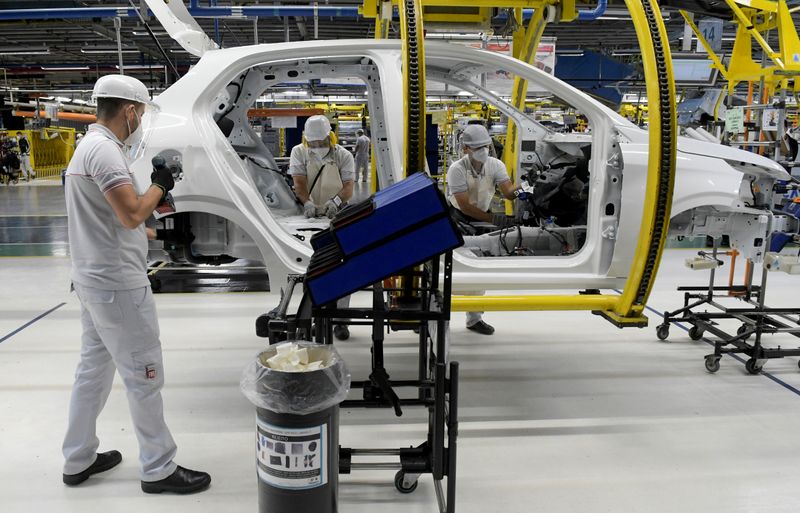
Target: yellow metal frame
(627, 308)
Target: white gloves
(309, 209)
(330, 209)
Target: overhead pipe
(594, 13)
(237, 12)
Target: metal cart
(756, 319)
(421, 303)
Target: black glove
(502, 220)
(162, 178)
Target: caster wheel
(712, 364)
(662, 331)
(695, 333)
(399, 483)
(743, 328)
(752, 366)
(341, 332)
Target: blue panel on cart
(397, 208)
(383, 261)
(322, 239)
(793, 209)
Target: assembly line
(512, 256)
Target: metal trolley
(420, 303)
(756, 319)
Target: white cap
(475, 136)
(317, 128)
(121, 86)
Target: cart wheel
(695, 333)
(399, 483)
(742, 329)
(752, 366)
(662, 331)
(712, 363)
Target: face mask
(134, 136)
(480, 155)
(320, 152)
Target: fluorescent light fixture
(570, 53)
(80, 102)
(47, 98)
(141, 66)
(145, 33)
(104, 50)
(65, 68)
(464, 93)
(177, 50)
(24, 50)
(293, 93)
(63, 99)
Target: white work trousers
(25, 166)
(120, 330)
(362, 166)
(474, 318)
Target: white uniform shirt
(301, 158)
(105, 254)
(461, 171)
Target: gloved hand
(162, 178)
(309, 209)
(330, 209)
(520, 194)
(502, 220)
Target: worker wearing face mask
(108, 248)
(323, 172)
(471, 184)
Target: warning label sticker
(291, 458)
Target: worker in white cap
(108, 247)
(471, 184)
(323, 171)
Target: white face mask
(320, 152)
(480, 155)
(134, 137)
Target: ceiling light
(144, 33)
(24, 50)
(64, 68)
(464, 93)
(80, 102)
(96, 49)
(294, 93)
(63, 99)
(177, 50)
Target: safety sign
(291, 458)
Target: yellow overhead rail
(754, 19)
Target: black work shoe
(341, 332)
(181, 481)
(482, 328)
(105, 461)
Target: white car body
(231, 214)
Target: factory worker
(25, 157)
(108, 247)
(362, 155)
(323, 172)
(471, 184)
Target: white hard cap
(121, 86)
(317, 128)
(475, 136)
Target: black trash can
(297, 430)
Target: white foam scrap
(290, 357)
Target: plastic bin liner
(297, 393)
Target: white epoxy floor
(561, 412)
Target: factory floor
(560, 412)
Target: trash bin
(297, 427)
